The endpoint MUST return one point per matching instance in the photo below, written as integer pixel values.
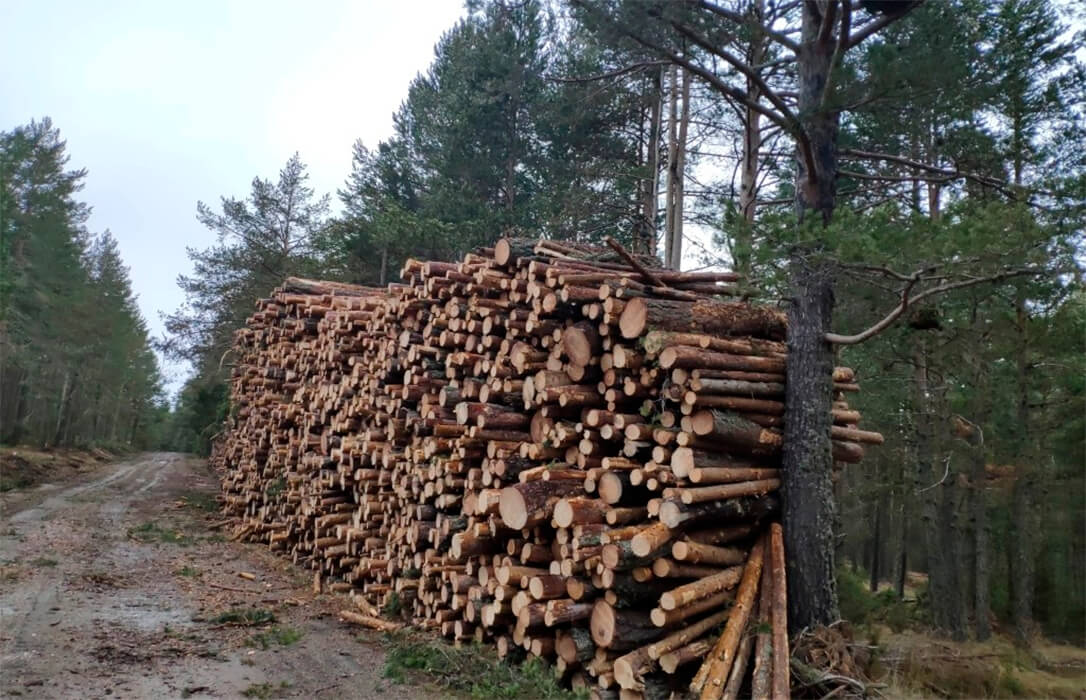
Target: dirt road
(115, 586)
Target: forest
(77, 366)
(914, 172)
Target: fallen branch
(617, 247)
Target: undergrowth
(153, 532)
(471, 670)
(266, 690)
(862, 607)
(201, 500)
(283, 636)
(246, 617)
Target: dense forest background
(959, 161)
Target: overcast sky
(169, 103)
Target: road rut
(112, 586)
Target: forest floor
(114, 583)
(916, 664)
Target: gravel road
(114, 584)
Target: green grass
(393, 605)
(471, 670)
(862, 607)
(265, 690)
(188, 572)
(44, 561)
(246, 617)
(153, 532)
(201, 500)
(283, 636)
(276, 488)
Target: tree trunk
(62, 407)
(676, 252)
(876, 546)
(742, 241)
(1022, 569)
(816, 159)
(901, 507)
(384, 264)
(981, 586)
(672, 154)
(806, 462)
(935, 485)
(652, 183)
(973, 435)
(14, 429)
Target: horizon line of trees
(77, 366)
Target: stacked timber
(556, 448)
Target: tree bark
(816, 181)
(742, 241)
(806, 462)
(679, 181)
(974, 437)
(935, 483)
(672, 155)
(652, 183)
(876, 546)
(1022, 569)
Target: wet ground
(117, 584)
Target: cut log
(711, 677)
(642, 314)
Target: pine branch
(907, 301)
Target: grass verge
(283, 636)
(471, 670)
(244, 617)
(153, 532)
(266, 690)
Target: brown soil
(113, 581)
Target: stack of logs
(556, 448)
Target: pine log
(621, 630)
(521, 502)
(711, 677)
(642, 314)
(781, 653)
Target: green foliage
(471, 670)
(201, 500)
(283, 636)
(76, 364)
(275, 488)
(260, 241)
(862, 607)
(202, 406)
(265, 691)
(245, 617)
(153, 532)
(393, 605)
(189, 572)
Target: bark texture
(808, 505)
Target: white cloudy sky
(169, 103)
